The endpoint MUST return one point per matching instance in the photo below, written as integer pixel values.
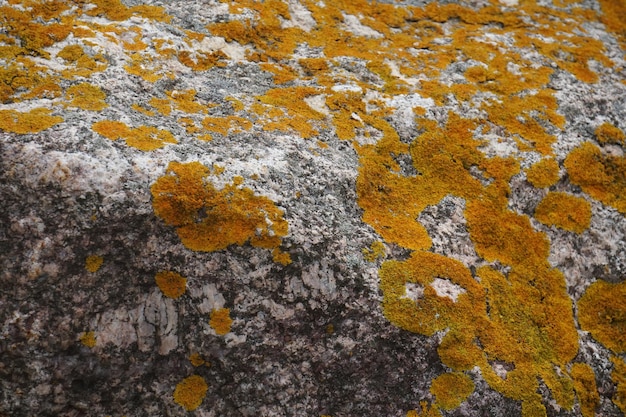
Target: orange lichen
(564, 211)
(282, 74)
(601, 176)
(144, 67)
(197, 360)
(237, 104)
(111, 129)
(585, 386)
(83, 65)
(281, 257)
(427, 410)
(149, 138)
(142, 109)
(607, 133)
(162, 105)
(190, 125)
(224, 125)
(612, 17)
(220, 321)
(88, 339)
(171, 284)
(86, 96)
(136, 44)
(202, 60)
(375, 251)
(518, 327)
(117, 11)
(190, 392)
(521, 316)
(544, 173)
(451, 389)
(602, 312)
(186, 101)
(619, 377)
(144, 138)
(208, 219)
(93, 263)
(299, 113)
(71, 53)
(34, 121)
(312, 66)
(111, 9)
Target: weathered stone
(366, 201)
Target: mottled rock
(306, 208)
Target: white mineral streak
(318, 103)
(447, 288)
(346, 87)
(410, 101)
(320, 278)
(353, 25)
(301, 17)
(116, 327)
(212, 299)
(278, 311)
(395, 71)
(413, 291)
(234, 51)
(154, 323)
(75, 173)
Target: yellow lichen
(202, 60)
(619, 377)
(186, 101)
(601, 176)
(375, 251)
(544, 173)
(208, 219)
(282, 74)
(220, 321)
(144, 138)
(190, 392)
(451, 389)
(237, 104)
(86, 96)
(607, 133)
(111, 129)
(88, 339)
(585, 386)
(564, 211)
(71, 53)
(197, 360)
(427, 410)
(93, 263)
(602, 312)
(149, 138)
(281, 257)
(171, 284)
(162, 105)
(144, 67)
(142, 109)
(34, 121)
(515, 316)
(224, 125)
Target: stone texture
(310, 335)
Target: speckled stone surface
(144, 137)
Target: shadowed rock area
(309, 208)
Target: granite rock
(354, 203)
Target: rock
(356, 207)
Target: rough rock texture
(307, 208)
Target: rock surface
(308, 208)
